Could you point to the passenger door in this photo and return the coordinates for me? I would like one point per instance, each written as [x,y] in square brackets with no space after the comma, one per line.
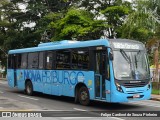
[100,75]
[100,65]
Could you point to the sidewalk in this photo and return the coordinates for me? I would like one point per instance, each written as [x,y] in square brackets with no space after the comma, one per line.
[155,97]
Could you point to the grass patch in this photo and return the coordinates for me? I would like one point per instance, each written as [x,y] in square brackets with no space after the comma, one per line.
[154,91]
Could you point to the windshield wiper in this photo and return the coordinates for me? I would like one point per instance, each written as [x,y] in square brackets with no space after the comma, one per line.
[136,58]
[126,57]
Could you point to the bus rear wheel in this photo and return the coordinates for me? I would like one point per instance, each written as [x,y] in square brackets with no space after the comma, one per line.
[83,96]
[29,88]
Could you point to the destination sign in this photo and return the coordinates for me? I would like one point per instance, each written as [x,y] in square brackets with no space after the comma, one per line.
[119,45]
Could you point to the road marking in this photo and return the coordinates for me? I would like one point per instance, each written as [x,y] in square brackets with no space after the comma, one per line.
[117,118]
[28,97]
[4,83]
[11,110]
[68,118]
[52,110]
[1,92]
[79,109]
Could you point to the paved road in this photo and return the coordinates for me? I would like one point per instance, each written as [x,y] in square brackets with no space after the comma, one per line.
[13,99]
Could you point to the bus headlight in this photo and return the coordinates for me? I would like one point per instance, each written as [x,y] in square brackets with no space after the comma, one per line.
[119,87]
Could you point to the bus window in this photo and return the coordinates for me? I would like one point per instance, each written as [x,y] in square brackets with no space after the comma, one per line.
[22,60]
[63,59]
[80,59]
[41,60]
[74,60]
[49,60]
[18,60]
[33,60]
[83,59]
[10,61]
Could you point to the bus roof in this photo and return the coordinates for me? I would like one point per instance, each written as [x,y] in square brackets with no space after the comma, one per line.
[64,44]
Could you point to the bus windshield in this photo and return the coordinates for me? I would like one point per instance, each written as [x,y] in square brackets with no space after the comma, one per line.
[130,65]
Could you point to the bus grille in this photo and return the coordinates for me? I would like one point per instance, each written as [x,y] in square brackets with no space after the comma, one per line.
[131,85]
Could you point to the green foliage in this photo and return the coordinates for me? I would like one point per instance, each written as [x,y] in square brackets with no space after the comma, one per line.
[138,33]
[79,24]
[76,19]
[117,11]
[156,92]
[114,15]
[142,23]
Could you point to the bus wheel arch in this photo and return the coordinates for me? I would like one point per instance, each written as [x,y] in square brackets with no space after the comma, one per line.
[80,90]
[28,87]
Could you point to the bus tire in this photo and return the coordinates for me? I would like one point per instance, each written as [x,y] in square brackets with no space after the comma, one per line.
[29,88]
[83,96]
[76,100]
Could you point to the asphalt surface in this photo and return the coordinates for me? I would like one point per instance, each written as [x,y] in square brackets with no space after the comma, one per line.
[60,107]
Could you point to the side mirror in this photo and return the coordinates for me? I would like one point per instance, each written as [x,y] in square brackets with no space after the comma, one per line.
[110,55]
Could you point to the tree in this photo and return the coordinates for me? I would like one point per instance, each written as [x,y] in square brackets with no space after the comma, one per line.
[112,11]
[79,24]
[6,22]
[142,23]
[13,33]
[114,17]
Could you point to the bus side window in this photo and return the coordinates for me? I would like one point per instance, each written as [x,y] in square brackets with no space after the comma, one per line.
[80,59]
[10,61]
[63,59]
[49,60]
[41,60]
[23,60]
[83,59]
[33,60]
[18,61]
[74,59]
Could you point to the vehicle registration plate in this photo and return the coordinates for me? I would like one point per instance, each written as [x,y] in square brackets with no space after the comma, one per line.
[136,96]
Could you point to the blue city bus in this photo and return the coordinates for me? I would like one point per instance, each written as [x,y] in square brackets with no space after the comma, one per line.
[108,70]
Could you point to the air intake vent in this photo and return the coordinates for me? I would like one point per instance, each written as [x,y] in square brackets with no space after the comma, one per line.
[136,84]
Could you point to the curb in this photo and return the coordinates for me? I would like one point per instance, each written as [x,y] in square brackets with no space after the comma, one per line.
[156,99]
[3,79]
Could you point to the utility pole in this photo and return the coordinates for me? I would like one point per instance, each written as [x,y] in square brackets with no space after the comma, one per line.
[45,37]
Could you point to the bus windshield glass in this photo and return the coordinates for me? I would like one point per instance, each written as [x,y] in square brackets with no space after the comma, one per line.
[130,65]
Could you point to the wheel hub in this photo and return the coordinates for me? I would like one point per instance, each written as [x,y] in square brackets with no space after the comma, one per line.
[84,95]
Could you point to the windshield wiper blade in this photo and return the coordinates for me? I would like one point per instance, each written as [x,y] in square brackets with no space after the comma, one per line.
[127,58]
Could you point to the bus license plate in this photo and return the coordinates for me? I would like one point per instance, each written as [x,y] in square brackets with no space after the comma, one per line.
[136,96]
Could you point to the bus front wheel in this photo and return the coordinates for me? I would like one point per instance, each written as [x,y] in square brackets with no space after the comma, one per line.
[83,96]
[29,88]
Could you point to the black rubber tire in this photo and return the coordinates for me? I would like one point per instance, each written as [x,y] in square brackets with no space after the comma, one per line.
[83,96]
[76,100]
[29,88]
